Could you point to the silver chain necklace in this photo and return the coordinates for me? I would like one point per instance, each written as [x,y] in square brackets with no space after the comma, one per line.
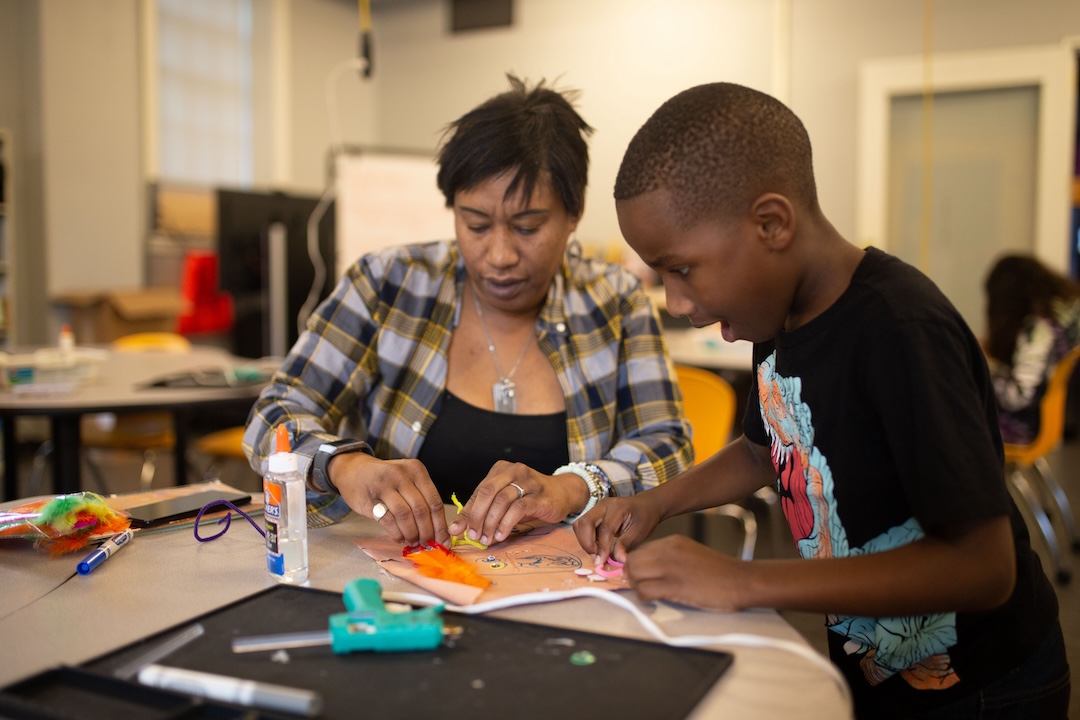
[503,391]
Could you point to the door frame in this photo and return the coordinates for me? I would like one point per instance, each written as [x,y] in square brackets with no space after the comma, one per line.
[1051,68]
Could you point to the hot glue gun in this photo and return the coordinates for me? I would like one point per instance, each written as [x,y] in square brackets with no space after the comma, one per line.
[367,625]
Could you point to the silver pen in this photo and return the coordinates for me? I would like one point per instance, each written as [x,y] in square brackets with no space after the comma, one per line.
[238,691]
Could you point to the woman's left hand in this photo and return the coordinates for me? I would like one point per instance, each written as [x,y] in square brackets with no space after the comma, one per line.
[513,492]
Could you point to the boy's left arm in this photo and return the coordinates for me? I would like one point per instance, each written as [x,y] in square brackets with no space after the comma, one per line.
[967,568]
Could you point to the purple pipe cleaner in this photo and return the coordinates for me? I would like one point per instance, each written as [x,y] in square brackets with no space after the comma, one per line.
[227,519]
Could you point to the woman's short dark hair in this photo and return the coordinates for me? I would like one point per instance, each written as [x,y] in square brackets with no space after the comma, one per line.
[530,131]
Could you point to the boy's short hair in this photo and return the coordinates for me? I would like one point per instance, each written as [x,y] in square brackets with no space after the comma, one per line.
[716,148]
[532,131]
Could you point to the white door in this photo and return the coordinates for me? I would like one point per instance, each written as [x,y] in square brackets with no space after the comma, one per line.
[1000,162]
[980,186]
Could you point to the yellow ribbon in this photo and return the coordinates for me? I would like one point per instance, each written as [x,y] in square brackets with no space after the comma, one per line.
[463,539]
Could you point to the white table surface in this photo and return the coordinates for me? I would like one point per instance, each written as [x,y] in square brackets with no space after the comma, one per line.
[704,347]
[119,384]
[49,617]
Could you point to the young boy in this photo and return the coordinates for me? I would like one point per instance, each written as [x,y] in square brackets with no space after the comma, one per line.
[874,417]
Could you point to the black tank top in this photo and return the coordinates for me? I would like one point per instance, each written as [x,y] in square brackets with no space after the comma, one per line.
[465,441]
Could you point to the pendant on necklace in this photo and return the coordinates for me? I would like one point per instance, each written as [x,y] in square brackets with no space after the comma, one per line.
[503,394]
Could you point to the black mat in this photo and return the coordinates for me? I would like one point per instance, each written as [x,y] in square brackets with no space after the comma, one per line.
[500,668]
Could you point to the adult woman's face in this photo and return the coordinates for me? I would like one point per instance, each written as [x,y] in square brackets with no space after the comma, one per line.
[513,247]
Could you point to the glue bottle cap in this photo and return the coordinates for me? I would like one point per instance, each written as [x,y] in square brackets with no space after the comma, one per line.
[66,340]
[281,439]
[283,460]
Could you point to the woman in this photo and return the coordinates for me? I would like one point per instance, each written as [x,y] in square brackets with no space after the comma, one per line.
[1033,316]
[499,367]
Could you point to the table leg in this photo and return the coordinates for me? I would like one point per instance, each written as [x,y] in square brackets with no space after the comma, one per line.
[181,430]
[67,445]
[11,460]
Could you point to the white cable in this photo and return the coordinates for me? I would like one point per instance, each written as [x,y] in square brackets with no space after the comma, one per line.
[317,260]
[337,147]
[337,143]
[684,641]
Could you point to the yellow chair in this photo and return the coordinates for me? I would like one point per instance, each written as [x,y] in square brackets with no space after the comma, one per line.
[1029,473]
[148,433]
[152,342]
[710,402]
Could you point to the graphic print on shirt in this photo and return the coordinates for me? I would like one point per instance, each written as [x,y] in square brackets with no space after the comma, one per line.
[916,647]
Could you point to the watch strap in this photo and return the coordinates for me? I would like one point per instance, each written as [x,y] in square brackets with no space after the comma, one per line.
[319,478]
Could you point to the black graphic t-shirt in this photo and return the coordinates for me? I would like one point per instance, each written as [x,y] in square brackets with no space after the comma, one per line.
[881,421]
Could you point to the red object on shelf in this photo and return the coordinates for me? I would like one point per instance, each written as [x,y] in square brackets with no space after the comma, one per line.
[206,308]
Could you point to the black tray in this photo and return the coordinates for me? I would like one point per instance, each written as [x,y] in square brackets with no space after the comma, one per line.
[495,669]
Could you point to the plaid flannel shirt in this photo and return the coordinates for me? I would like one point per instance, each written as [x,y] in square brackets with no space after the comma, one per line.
[372,364]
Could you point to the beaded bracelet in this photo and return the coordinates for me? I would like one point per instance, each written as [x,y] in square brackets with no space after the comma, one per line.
[596,481]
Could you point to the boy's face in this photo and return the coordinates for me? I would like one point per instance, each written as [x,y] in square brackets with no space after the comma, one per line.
[713,272]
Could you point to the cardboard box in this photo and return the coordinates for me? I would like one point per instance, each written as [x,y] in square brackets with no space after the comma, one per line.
[101,316]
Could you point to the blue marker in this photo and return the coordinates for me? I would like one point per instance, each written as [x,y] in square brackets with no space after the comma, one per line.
[107,548]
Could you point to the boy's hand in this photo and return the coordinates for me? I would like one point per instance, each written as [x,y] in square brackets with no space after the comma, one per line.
[615,526]
[678,569]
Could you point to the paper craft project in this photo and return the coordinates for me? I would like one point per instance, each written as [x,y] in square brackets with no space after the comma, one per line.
[533,559]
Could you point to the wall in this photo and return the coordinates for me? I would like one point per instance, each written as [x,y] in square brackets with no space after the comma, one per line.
[20,112]
[323,35]
[93,194]
[831,37]
[628,56]
[73,101]
[625,56]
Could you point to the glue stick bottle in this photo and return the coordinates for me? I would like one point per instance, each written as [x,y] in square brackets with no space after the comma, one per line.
[286,514]
[66,344]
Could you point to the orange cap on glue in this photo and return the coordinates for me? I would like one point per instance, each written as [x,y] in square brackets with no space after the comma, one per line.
[281,440]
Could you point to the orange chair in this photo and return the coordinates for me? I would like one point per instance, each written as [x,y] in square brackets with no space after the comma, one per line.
[147,433]
[221,446]
[1029,473]
[709,402]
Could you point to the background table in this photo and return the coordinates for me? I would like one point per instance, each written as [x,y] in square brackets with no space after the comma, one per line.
[705,347]
[163,579]
[118,388]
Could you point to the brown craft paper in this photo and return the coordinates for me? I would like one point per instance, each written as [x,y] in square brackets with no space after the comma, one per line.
[533,559]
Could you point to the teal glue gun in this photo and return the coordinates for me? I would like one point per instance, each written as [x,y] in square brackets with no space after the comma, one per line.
[366,626]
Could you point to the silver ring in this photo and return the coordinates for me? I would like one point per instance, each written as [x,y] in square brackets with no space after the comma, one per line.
[378,510]
[521,490]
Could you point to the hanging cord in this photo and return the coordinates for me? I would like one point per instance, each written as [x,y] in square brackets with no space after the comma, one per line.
[684,641]
[337,147]
[317,260]
[365,36]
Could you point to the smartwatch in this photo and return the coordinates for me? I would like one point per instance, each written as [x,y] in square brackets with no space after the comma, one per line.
[320,478]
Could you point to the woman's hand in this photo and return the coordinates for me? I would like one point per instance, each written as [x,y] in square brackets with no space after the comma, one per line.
[615,526]
[414,511]
[512,493]
[678,569]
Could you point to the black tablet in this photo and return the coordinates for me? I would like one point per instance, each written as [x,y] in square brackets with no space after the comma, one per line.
[164,511]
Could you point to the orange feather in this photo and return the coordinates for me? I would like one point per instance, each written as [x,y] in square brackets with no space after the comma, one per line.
[443,564]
